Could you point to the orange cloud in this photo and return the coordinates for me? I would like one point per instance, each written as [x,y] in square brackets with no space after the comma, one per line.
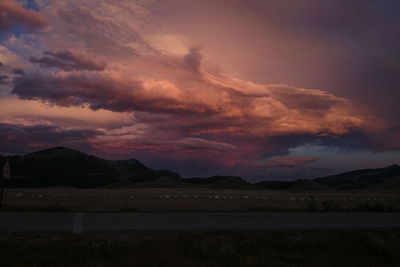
[205,103]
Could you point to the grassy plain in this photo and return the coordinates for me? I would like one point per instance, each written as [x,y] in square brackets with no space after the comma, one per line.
[203,248]
[195,199]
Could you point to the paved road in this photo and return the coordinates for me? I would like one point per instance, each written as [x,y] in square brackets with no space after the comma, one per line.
[80,222]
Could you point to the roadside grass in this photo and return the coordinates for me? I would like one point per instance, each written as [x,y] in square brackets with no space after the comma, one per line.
[373,207]
[203,248]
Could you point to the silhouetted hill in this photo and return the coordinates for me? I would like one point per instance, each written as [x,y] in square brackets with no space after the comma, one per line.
[137,172]
[392,184]
[300,185]
[360,178]
[297,185]
[381,178]
[61,166]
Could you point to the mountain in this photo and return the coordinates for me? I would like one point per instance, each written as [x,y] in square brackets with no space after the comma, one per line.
[137,172]
[61,166]
[381,178]
[361,178]
[300,185]
[389,184]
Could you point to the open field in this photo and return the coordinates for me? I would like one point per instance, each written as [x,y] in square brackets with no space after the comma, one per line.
[193,199]
[203,248]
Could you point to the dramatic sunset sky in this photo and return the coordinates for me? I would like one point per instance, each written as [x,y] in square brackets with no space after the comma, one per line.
[273,89]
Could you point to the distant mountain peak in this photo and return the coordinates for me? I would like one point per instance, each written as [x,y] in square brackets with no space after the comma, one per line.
[132,164]
[393,166]
[361,178]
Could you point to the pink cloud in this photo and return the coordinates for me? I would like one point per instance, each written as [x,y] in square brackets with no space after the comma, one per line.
[286,162]
[11,12]
[205,103]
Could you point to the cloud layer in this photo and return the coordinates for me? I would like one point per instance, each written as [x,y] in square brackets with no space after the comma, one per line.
[21,139]
[68,61]
[219,85]
[286,162]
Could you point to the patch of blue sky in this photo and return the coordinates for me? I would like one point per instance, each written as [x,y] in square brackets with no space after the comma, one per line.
[29,4]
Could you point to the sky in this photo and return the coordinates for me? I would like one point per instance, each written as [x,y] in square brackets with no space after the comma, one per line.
[274,89]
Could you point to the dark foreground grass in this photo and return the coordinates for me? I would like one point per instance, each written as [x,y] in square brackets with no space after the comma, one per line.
[203,248]
[332,207]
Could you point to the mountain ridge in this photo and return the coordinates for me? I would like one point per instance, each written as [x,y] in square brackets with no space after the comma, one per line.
[62,166]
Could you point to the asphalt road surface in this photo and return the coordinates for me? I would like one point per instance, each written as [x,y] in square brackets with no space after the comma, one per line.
[80,222]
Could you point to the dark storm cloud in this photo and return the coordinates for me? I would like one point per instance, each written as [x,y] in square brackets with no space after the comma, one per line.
[12,13]
[193,59]
[199,143]
[358,41]
[4,79]
[69,61]
[315,18]
[18,71]
[98,92]
[75,90]
[22,139]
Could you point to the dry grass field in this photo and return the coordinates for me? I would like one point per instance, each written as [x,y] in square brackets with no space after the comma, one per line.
[194,199]
[203,248]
